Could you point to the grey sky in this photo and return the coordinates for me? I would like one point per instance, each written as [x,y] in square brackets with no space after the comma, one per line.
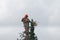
[43,33]
[45,12]
[13,10]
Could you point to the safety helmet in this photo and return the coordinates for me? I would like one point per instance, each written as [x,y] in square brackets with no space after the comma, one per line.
[26,15]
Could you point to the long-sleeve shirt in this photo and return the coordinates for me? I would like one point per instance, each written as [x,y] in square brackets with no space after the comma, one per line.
[25,22]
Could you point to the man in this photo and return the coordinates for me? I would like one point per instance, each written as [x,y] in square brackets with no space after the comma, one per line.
[26,21]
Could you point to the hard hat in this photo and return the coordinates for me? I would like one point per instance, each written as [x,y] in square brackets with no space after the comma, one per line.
[26,15]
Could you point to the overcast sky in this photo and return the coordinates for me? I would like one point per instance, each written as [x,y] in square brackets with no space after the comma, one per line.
[45,12]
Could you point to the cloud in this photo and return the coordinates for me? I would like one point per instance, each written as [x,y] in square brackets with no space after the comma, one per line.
[54,18]
[15,9]
[11,11]
[46,12]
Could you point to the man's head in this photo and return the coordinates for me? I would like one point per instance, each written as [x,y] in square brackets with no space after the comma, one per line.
[26,15]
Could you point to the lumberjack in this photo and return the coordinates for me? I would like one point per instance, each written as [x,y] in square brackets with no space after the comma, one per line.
[26,21]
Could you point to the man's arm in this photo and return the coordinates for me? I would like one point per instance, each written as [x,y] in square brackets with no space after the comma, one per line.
[22,19]
[29,21]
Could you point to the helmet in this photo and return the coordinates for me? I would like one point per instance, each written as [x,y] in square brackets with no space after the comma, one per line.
[26,15]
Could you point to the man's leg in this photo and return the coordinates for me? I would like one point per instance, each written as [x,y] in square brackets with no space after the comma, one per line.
[27,33]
